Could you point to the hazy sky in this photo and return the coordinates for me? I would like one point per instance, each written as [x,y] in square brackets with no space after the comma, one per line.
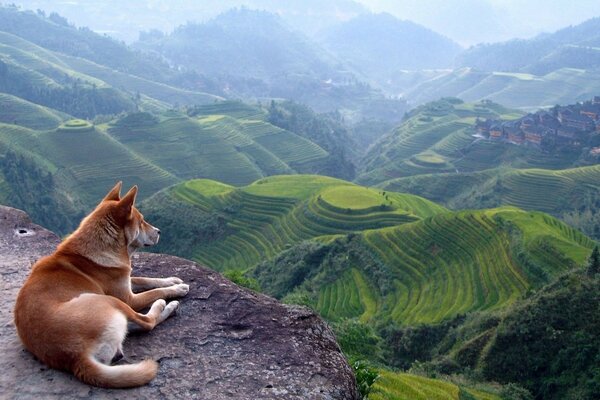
[466,21]
[472,21]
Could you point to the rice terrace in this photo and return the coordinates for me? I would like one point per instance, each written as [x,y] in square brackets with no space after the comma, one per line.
[410,192]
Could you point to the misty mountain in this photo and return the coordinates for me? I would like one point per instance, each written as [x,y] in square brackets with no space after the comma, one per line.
[255,54]
[124,20]
[571,47]
[380,45]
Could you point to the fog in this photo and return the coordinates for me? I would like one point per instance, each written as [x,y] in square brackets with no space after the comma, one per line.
[465,21]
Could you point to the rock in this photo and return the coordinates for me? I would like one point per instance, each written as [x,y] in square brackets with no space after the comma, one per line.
[226,342]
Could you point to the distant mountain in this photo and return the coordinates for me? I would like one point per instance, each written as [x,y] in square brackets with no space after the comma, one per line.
[513,89]
[56,34]
[380,45]
[255,54]
[124,20]
[573,47]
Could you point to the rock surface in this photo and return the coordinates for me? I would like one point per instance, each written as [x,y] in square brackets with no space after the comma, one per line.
[225,342]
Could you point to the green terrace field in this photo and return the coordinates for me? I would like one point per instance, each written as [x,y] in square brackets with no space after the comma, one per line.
[274,213]
[84,160]
[432,269]
[135,84]
[432,139]
[517,90]
[552,191]
[402,386]
[400,258]
[216,146]
[17,111]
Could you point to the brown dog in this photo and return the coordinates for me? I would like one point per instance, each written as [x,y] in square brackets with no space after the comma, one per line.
[73,311]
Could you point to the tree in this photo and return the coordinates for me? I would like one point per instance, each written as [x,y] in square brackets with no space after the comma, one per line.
[594,263]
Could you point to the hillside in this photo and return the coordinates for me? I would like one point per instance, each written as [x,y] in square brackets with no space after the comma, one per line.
[433,138]
[55,33]
[399,264]
[380,45]
[256,55]
[513,89]
[571,47]
[575,191]
[430,270]
[230,142]
[236,228]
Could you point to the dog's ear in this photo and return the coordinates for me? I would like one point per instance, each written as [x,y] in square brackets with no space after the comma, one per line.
[126,203]
[115,193]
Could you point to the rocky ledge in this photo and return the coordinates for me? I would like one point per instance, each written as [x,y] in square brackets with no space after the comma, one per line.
[226,342]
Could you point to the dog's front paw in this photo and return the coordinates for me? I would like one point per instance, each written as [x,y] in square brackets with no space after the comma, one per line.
[180,290]
[173,280]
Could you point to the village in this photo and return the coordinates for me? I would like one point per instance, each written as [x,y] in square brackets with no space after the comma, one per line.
[560,126]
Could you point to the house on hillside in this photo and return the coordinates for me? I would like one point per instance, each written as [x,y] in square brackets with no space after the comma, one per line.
[534,135]
[514,134]
[572,119]
[591,110]
[496,132]
[483,127]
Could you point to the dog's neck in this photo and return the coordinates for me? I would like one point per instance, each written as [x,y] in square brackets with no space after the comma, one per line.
[100,242]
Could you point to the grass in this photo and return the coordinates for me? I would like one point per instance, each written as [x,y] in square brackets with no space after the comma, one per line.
[552,191]
[17,111]
[403,386]
[435,264]
[269,215]
[431,140]
[218,147]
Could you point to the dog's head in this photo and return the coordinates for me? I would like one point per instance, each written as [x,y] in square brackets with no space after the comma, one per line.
[138,233]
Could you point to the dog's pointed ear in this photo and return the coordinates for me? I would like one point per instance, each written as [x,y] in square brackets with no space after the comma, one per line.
[128,200]
[115,193]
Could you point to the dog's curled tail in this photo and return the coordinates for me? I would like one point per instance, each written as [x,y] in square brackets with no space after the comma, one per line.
[93,372]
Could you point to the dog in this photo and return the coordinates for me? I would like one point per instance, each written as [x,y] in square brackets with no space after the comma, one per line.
[77,305]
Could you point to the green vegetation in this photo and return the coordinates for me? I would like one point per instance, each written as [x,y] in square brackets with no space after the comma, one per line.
[17,111]
[434,138]
[562,361]
[575,192]
[560,85]
[264,218]
[429,270]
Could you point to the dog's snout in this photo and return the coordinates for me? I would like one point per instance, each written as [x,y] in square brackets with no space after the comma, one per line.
[158,231]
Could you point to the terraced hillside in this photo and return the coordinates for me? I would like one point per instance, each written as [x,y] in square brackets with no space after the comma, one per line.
[243,226]
[429,270]
[432,139]
[518,90]
[551,191]
[154,151]
[216,146]
[402,386]
[17,111]
[85,161]
[31,71]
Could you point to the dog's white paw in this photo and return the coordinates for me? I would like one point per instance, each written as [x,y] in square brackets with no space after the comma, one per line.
[181,289]
[173,280]
[158,306]
[169,310]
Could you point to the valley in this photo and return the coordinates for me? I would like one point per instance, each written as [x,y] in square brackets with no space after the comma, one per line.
[433,203]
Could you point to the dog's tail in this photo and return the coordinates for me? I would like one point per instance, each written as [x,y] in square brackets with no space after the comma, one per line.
[93,372]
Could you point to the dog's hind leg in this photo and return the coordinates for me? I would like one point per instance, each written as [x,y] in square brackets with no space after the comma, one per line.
[159,312]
